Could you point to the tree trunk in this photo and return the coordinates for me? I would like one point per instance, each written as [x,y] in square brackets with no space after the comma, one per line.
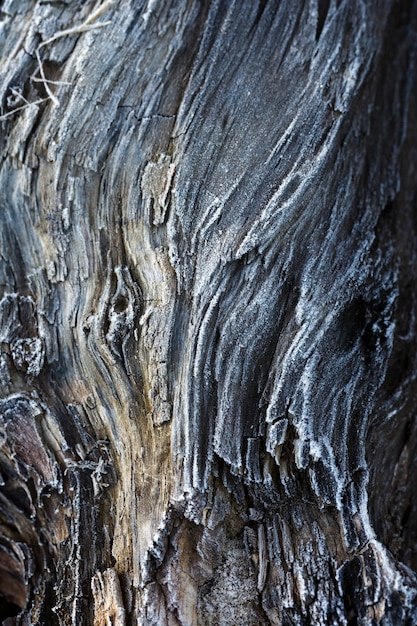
[207,313]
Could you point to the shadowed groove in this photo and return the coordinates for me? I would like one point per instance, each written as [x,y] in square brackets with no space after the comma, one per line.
[207,315]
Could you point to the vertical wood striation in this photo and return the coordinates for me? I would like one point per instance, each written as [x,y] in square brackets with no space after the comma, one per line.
[207,313]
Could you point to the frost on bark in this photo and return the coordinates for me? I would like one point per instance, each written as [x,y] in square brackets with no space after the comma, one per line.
[208,312]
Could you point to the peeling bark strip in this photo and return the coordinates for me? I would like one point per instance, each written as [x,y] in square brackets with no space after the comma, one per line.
[207,313]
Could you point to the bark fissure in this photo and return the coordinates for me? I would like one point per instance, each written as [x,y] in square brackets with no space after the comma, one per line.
[207,313]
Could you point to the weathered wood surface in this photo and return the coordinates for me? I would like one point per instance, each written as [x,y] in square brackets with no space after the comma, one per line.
[207,312]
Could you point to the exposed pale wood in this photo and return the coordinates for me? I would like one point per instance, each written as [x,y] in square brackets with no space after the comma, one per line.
[207,313]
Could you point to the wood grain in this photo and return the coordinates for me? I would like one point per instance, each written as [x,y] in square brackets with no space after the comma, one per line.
[207,313]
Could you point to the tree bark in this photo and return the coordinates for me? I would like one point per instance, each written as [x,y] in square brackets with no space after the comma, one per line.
[207,313]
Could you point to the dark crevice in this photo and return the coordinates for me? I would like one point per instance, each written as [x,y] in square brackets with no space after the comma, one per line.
[8,609]
[261,9]
[13,590]
[350,576]
[406,516]
[322,9]
[121,304]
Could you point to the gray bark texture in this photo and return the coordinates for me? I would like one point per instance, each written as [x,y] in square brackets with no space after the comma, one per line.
[208,312]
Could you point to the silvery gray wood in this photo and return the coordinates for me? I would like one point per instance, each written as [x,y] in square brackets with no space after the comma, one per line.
[207,312]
